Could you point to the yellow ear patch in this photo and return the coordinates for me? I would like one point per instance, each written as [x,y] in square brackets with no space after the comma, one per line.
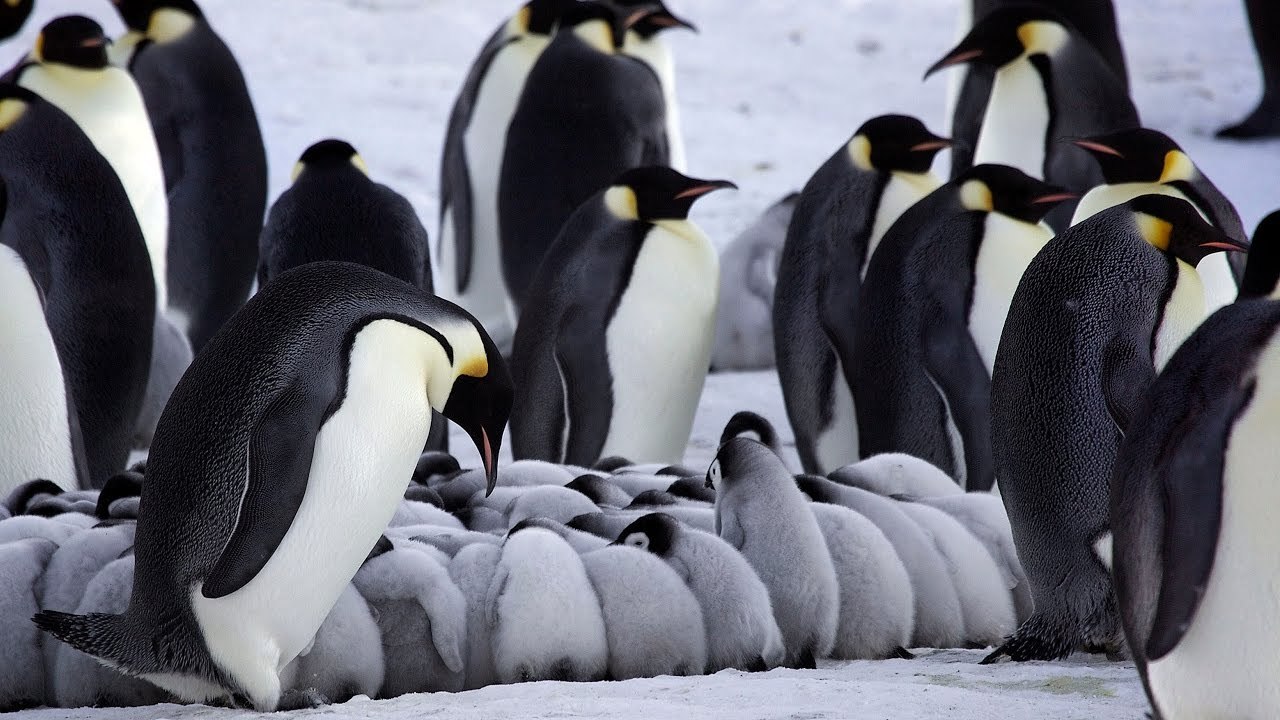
[476,366]
[975,195]
[598,35]
[1042,36]
[520,23]
[37,50]
[860,153]
[621,201]
[298,167]
[359,163]
[12,3]
[1177,166]
[1155,231]
[169,24]
[10,110]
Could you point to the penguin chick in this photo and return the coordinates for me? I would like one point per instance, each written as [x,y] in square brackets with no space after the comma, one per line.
[21,527]
[472,570]
[546,618]
[22,667]
[760,512]
[450,542]
[692,488]
[892,474]
[983,515]
[21,496]
[482,519]
[432,465]
[531,473]
[652,620]
[410,512]
[425,495]
[345,659]
[600,491]
[557,503]
[119,486]
[745,421]
[582,542]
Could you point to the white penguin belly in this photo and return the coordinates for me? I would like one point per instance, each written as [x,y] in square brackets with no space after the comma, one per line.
[35,436]
[1226,665]
[107,106]
[837,443]
[901,192]
[364,456]
[1183,313]
[1007,248]
[485,141]
[1016,124]
[657,55]
[659,343]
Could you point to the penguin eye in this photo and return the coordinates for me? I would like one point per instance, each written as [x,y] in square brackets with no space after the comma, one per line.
[638,540]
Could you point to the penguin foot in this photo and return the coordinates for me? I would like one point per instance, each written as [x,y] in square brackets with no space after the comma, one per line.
[901,653]
[1035,640]
[806,661]
[1263,122]
[301,699]
[757,665]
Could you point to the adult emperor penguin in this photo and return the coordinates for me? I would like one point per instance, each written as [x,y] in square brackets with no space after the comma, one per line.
[1095,20]
[761,512]
[1098,313]
[1192,537]
[469,256]
[842,213]
[322,385]
[215,165]
[1050,83]
[1141,161]
[931,309]
[1264,121]
[588,112]
[13,14]
[649,18]
[67,215]
[612,354]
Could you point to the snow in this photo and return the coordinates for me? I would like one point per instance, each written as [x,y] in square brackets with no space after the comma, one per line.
[768,90]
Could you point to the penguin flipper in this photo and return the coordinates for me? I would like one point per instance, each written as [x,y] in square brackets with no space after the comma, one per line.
[953,363]
[279,464]
[581,355]
[1126,374]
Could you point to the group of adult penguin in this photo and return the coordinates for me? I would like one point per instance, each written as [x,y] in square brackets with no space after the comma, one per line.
[1035,326]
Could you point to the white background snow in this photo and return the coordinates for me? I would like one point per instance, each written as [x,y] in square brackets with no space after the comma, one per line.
[768,89]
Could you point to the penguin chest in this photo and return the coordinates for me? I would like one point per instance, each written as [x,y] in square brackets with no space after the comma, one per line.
[1007,248]
[901,192]
[1226,664]
[659,343]
[35,435]
[655,53]
[1015,128]
[1183,313]
[363,459]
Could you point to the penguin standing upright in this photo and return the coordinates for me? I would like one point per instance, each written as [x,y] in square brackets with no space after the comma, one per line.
[1095,20]
[13,14]
[588,112]
[469,257]
[644,43]
[1050,83]
[844,210]
[613,353]
[1097,314]
[67,215]
[322,387]
[1193,530]
[931,310]
[215,165]
[1264,121]
[1141,161]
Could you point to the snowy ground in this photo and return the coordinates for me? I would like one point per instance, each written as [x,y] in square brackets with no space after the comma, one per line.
[768,89]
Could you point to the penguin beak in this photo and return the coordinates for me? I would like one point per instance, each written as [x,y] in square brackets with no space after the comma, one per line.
[1054,198]
[1098,148]
[664,18]
[1229,245]
[96,42]
[959,56]
[703,187]
[933,145]
[490,459]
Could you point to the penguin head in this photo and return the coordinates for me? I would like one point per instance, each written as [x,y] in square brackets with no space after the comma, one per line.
[1174,226]
[1139,155]
[654,533]
[13,13]
[653,193]
[1008,191]
[329,155]
[1006,34]
[73,40]
[535,522]
[815,486]
[1262,272]
[895,142]
[121,485]
[741,458]
[139,14]
[480,395]
[599,23]
[539,17]
[649,17]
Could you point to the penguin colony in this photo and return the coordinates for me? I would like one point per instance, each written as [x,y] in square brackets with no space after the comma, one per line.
[1033,399]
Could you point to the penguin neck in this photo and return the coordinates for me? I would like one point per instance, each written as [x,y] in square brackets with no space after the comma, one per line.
[1107,196]
[1006,248]
[75,79]
[598,35]
[169,24]
[1015,129]
[901,191]
[1182,313]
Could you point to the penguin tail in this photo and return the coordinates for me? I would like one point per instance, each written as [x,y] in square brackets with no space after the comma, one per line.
[98,634]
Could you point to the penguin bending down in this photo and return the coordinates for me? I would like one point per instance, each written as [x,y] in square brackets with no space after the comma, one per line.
[643,42]
[67,215]
[588,112]
[1141,161]
[1194,540]
[215,165]
[327,366]
[1050,83]
[1098,313]
[612,354]
[761,513]
[469,256]
[741,630]
[844,210]
[13,14]
[933,304]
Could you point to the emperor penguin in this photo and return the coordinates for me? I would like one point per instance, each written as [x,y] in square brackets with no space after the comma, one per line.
[1049,83]
[588,112]
[1193,544]
[582,542]
[1141,161]
[22,668]
[472,569]
[67,216]
[643,41]
[748,274]
[761,513]
[611,357]
[932,306]
[741,630]
[1096,316]
[211,150]
[1264,120]
[651,618]
[544,613]
[891,474]
[13,14]
[1095,20]
[323,386]
[1262,270]
[69,68]
[469,254]
[842,213]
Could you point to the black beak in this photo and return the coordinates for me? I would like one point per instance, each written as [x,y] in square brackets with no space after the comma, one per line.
[665,18]
[959,56]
